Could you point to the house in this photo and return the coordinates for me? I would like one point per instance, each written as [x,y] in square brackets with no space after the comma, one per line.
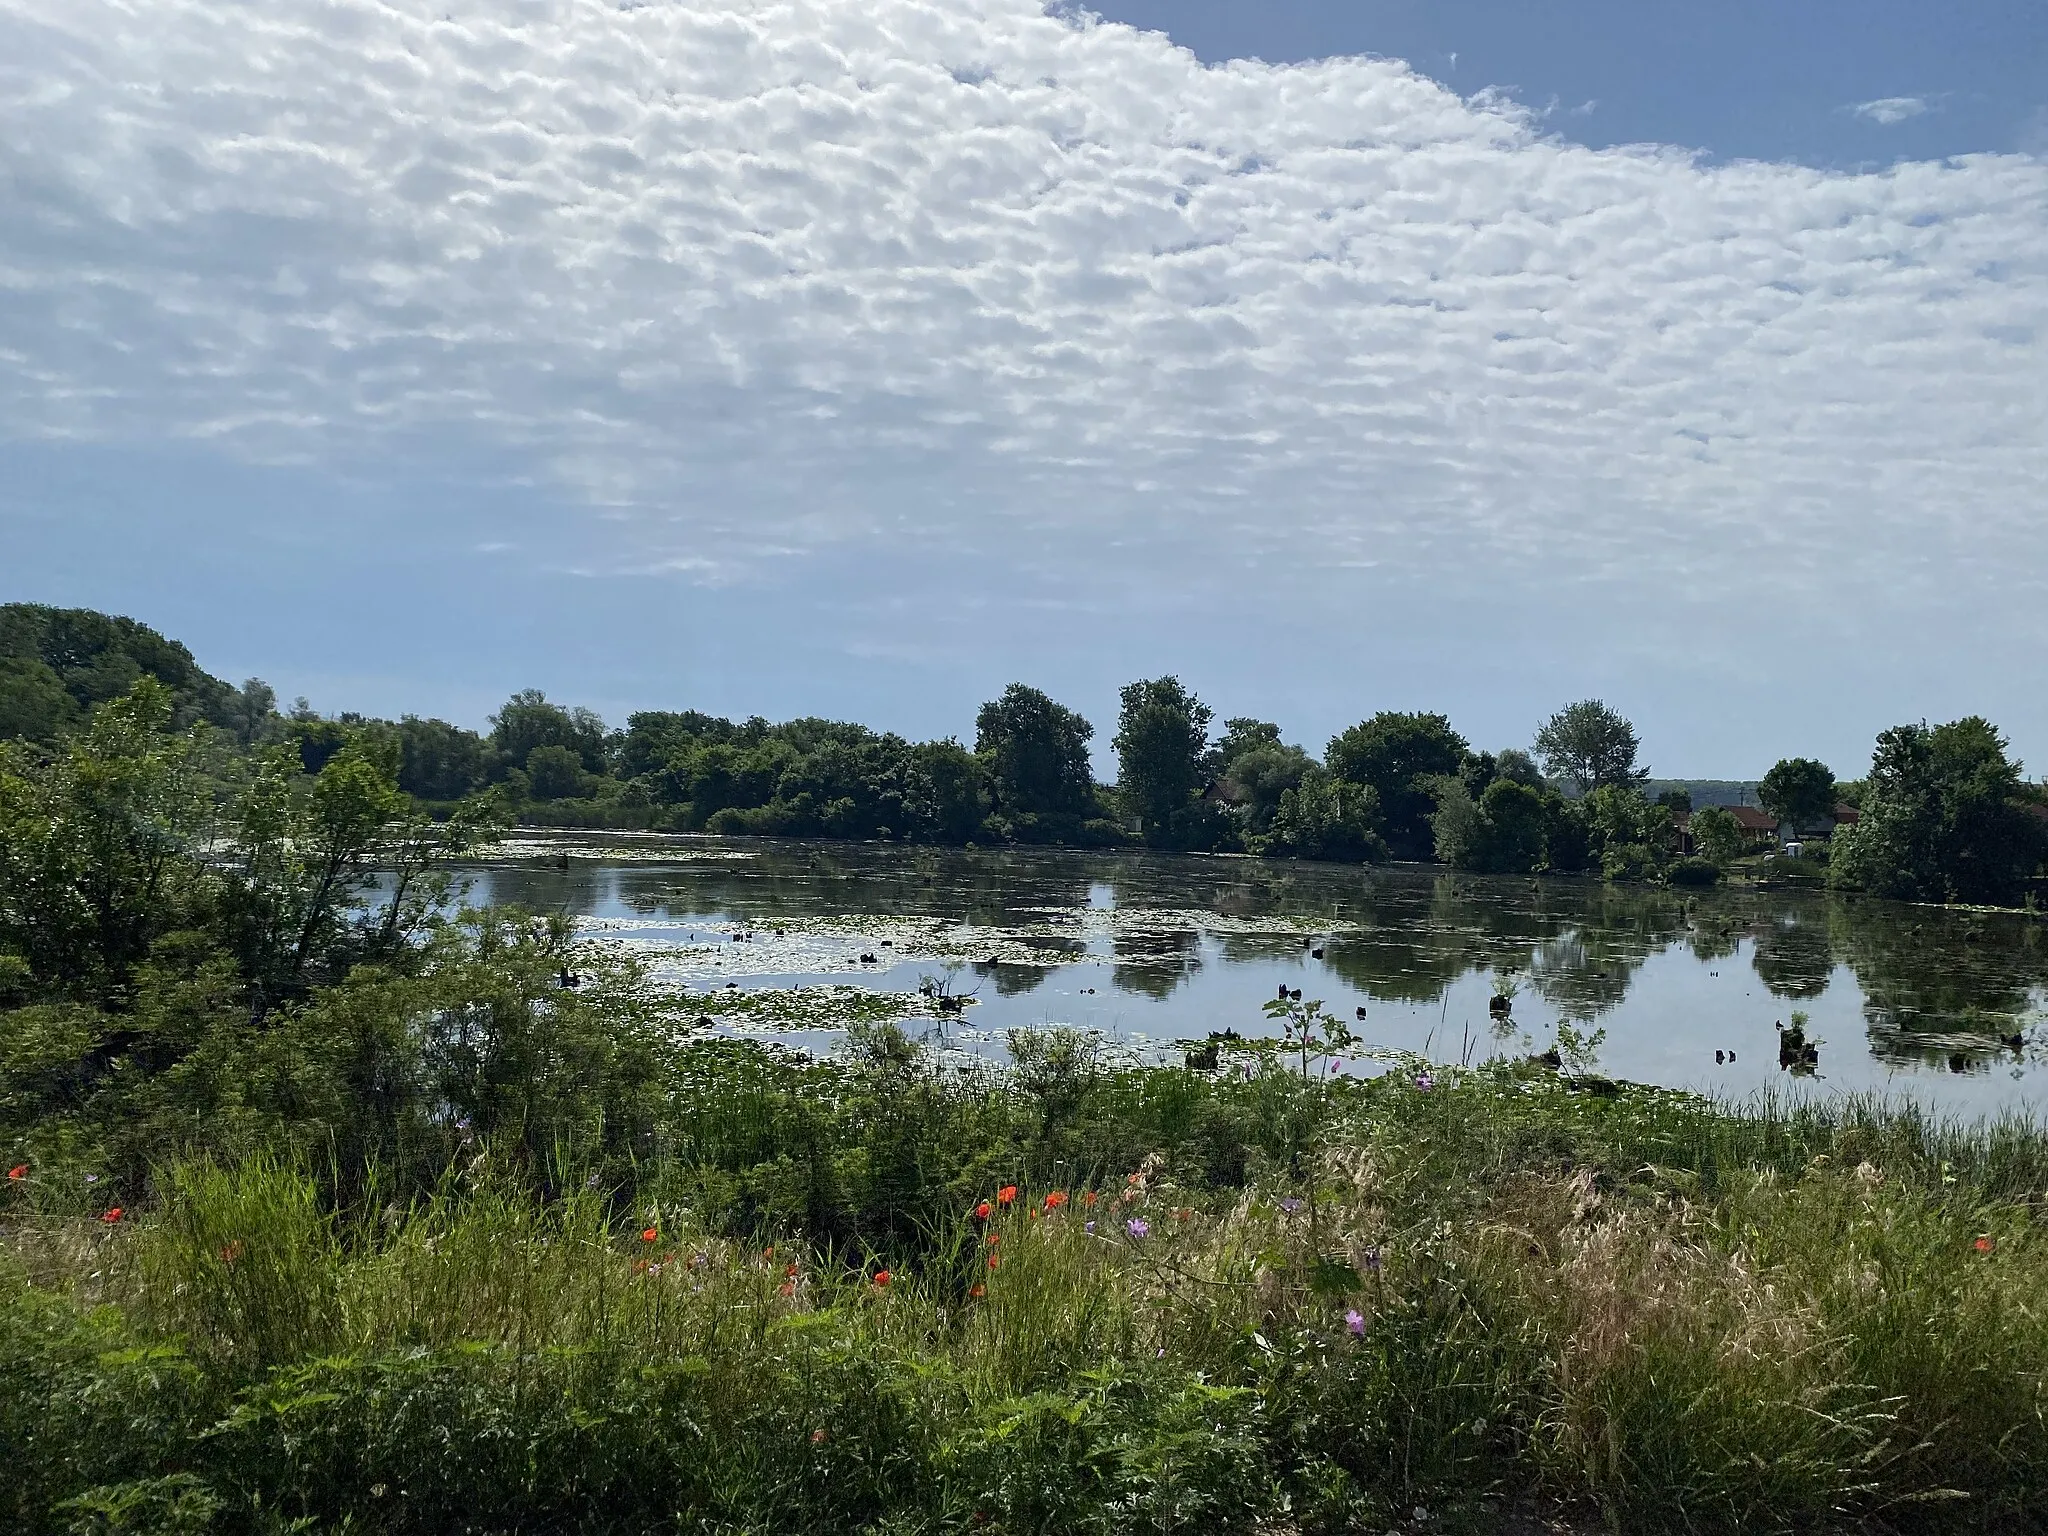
[1758,827]
[1226,792]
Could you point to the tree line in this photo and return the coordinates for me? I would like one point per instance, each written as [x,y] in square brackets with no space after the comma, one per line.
[1943,814]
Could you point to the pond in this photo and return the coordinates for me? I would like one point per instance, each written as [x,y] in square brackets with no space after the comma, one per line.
[1148,949]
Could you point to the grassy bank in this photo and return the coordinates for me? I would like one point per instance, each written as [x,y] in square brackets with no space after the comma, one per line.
[1239,1301]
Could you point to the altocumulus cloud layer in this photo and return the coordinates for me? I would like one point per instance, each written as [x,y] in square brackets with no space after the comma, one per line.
[763,278]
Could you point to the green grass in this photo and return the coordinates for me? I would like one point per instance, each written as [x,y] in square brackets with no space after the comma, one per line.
[1639,1312]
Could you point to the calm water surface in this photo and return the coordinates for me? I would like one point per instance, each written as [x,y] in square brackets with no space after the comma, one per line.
[1150,949]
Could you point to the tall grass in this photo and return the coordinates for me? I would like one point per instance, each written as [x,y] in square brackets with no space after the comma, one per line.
[1638,1311]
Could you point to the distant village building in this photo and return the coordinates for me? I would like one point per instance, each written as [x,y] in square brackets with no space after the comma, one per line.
[1760,828]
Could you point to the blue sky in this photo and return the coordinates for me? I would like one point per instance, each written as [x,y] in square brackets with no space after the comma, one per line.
[857,360]
[1759,79]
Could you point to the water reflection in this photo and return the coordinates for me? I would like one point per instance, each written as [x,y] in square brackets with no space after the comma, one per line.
[1930,991]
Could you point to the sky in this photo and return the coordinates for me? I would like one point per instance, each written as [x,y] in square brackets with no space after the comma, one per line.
[856,360]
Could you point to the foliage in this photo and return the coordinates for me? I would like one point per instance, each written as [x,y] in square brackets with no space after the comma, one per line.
[1476,1292]
[527,722]
[1801,791]
[1161,741]
[1399,757]
[329,1211]
[1506,830]
[441,762]
[1945,818]
[1717,835]
[1591,747]
[1325,818]
[1694,869]
[1255,769]
[1036,756]
[58,664]
[1632,837]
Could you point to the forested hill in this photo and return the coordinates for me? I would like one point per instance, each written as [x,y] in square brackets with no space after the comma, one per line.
[56,664]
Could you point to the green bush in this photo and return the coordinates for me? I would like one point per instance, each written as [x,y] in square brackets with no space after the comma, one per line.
[1694,871]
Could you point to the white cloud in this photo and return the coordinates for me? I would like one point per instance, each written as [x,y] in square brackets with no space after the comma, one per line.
[1890,109]
[768,275]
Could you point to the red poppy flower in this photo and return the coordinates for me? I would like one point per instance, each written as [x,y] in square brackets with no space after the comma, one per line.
[112,1216]
[977,1290]
[789,1271]
[995,1261]
[768,1252]
[1984,1245]
[1006,1194]
[789,1287]
[231,1252]
[882,1278]
[17,1173]
[983,1211]
[1055,1200]
[650,1234]
[1088,1199]
[994,1238]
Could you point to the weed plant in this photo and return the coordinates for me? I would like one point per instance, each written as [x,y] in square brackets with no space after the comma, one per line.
[1485,1293]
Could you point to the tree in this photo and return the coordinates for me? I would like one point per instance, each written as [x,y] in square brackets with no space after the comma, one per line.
[555,773]
[1240,736]
[250,714]
[1633,837]
[96,845]
[90,659]
[1591,747]
[1717,834]
[945,792]
[1945,818]
[1161,738]
[1503,831]
[1036,754]
[1399,756]
[527,720]
[1326,818]
[1800,791]
[439,761]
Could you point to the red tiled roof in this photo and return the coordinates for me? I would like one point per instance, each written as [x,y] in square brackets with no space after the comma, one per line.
[1750,819]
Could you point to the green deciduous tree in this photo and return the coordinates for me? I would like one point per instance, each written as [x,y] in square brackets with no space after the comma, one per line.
[439,761]
[1717,834]
[1036,755]
[1632,837]
[1945,817]
[1399,757]
[1504,831]
[89,659]
[1800,791]
[527,720]
[1591,747]
[555,773]
[95,845]
[1161,741]
[1326,818]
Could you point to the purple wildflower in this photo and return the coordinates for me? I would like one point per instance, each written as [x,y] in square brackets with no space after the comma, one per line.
[1289,1204]
[1089,1228]
[1138,1226]
[1372,1260]
[1425,1082]
[1355,1321]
